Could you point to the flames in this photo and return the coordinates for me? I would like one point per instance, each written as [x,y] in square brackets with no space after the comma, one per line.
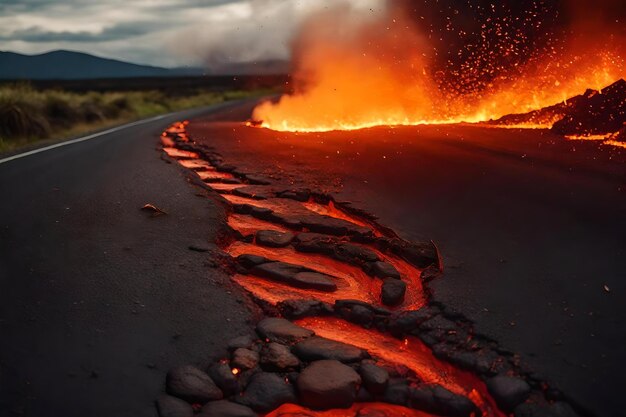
[354,72]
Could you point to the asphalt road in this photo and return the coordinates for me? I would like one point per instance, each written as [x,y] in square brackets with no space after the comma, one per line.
[531,228]
[97,298]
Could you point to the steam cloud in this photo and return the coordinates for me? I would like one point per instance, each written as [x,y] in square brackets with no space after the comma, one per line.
[255,30]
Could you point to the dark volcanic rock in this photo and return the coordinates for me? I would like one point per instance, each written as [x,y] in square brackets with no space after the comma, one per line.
[250,261]
[295,309]
[407,321]
[168,406]
[438,400]
[257,179]
[244,359]
[328,384]
[253,191]
[419,254]
[295,275]
[273,238]
[245,341]
[225,409]
[192,385]
[382,269]
[596,113]
[223,377]
[393,291]
[375,378]
[508,391]
[315,348]
[266,392]
[331,246]
[355,254]
[360,315]
[282,331]
[277,357]
[397,392]
[298,195]
[438,323]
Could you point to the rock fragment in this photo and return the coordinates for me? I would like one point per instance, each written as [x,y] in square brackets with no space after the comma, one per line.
[282,331]
[438,400]
[382,269]
[244,359]
[316,348]
[277,357]
[266,392]
[192,385]
[273,238]
[328,384]
[375,378]
[508,391]
[295,275]
[393,291]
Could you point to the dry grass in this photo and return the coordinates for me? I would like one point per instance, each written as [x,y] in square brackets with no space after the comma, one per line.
[29,116]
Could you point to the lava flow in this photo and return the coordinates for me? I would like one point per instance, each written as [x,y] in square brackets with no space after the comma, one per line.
[396,66]
[290,237]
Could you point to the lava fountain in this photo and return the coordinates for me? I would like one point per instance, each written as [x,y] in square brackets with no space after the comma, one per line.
[393,66]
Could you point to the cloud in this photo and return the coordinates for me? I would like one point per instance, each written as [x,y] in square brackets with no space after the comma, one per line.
[37,34]
[159,32]
[262,31]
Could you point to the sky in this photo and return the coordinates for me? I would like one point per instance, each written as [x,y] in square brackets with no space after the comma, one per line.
[161,32]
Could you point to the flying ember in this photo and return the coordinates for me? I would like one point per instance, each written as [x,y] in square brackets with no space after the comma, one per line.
[408,65]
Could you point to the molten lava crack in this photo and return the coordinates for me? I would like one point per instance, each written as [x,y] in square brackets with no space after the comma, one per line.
[365,337]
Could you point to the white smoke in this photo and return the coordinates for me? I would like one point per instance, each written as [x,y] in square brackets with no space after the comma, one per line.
[255,30]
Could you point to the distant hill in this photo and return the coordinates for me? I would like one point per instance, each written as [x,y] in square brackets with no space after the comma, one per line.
[69,65]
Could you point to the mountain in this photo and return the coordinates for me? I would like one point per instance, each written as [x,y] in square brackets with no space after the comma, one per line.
[71,65]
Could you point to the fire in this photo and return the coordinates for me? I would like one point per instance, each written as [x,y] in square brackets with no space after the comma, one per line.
[353,73]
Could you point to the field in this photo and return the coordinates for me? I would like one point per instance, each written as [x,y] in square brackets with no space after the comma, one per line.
[31,113]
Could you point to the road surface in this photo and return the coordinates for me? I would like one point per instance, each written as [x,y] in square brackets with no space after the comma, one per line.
[98,298]
[531,228]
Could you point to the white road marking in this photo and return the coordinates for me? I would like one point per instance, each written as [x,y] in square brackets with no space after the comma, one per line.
[84,138]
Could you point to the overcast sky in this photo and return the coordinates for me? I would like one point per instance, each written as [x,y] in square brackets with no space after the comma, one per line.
[160,32]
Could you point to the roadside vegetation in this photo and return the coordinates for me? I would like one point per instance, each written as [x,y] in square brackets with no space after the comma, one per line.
[29,116]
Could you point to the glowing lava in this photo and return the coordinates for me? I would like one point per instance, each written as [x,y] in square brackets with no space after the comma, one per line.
[354,73]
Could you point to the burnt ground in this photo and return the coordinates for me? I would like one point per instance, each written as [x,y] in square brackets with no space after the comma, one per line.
[99,299]
[530,227]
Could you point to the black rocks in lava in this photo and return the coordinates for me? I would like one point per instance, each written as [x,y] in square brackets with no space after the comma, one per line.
[393,291]
[317,348]
[591,113]
[282,331]
[273,238]
[601,112]
[267,391]
[328,384]
[294,275]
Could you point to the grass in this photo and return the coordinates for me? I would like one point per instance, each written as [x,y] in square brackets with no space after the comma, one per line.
[29,116]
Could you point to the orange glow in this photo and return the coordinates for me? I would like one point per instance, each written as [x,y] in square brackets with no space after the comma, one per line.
[615,143]
[414,355]
[357,409]
[354,74]
[235,371]
[180,154]
[588,137]
[352,282]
